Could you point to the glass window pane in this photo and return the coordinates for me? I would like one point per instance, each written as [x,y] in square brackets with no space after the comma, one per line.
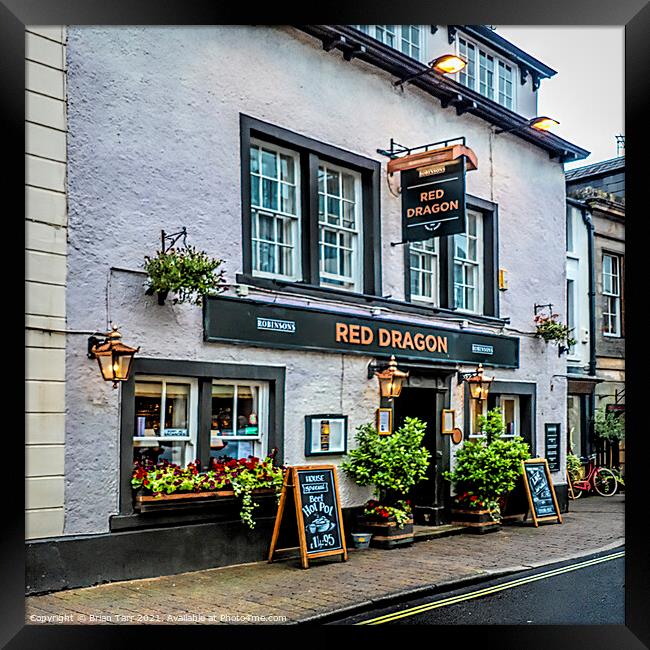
[288,199]
[348,187]
[255,160]
[255,191]
[348,214]
[266,227]
[321,180]
[247,410]
[287,168]
[269,194]
[460,242]
[148,400]
[333,182]
[267,258]
[223,400]
[333,208]
[269,163]
[177,402]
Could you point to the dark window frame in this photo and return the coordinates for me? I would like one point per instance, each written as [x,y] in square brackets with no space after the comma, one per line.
[309,152]
[491,306]
[205,372]
[527,406]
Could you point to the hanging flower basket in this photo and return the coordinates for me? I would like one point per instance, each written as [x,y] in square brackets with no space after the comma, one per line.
[551,330]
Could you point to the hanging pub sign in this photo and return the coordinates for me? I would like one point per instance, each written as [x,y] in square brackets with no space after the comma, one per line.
[433,191]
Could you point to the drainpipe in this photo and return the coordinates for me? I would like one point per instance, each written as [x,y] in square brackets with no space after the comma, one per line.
[591,252]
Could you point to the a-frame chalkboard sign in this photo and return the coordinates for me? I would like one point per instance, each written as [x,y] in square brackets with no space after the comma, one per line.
[315,493]
[539,488]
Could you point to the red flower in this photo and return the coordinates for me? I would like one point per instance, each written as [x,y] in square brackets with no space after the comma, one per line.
[146,481]
[474,498]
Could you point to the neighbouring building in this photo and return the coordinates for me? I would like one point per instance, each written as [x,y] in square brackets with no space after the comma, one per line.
[595,300]
[269,145]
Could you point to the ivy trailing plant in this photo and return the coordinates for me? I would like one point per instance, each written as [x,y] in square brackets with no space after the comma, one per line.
[187,272]
[242,476]
[489,467]
[550,329]
[392,464]
[609,425]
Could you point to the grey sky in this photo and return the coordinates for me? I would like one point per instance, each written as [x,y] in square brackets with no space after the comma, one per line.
[587,94]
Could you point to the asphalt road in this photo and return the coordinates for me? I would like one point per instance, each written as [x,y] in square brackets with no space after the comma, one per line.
[588,591]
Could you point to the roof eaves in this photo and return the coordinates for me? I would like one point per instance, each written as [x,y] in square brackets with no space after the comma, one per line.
[355,44]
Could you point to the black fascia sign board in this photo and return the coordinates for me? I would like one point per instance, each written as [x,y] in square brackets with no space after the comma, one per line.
[270,325]
[433,200]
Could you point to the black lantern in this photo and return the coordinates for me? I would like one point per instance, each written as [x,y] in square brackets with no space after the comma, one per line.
[114,357]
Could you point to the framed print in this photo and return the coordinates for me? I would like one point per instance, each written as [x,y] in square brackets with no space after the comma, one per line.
[384,418]
[448,421]
[326,434]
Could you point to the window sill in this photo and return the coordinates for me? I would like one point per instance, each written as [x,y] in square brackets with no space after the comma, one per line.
[218,508]
[317,291]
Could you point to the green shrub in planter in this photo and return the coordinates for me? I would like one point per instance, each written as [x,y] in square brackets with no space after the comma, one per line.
[488,468]
[391,464]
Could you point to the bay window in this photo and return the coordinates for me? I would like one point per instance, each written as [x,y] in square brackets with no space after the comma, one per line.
[487,74]
[408,39]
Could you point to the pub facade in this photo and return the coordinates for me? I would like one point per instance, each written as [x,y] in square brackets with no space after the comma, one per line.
[269,148]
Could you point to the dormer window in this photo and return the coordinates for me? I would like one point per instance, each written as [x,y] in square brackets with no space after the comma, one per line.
[487,73]
[405,38]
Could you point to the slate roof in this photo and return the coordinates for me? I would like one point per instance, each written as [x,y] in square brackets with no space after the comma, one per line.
[596,169]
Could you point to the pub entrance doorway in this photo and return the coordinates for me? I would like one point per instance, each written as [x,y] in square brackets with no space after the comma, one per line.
[428,497]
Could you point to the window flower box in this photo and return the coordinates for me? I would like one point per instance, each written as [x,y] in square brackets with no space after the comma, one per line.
[150,503]
[166,486]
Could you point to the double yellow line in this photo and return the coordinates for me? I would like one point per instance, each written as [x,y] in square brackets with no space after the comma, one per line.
[387,618]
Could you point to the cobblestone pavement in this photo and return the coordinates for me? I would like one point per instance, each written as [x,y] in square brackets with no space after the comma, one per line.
[262,593]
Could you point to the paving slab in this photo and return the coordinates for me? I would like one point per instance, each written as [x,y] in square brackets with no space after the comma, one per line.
[279,593]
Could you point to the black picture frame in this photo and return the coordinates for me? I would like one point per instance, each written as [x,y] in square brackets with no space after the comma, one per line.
[633,14]
[310,420]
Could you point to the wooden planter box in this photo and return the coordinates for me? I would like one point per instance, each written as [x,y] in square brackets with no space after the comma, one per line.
[148,503]
[476,521]
[386,534]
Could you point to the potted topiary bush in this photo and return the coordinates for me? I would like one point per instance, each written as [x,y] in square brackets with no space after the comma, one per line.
[392,464]
[187,272]
[487,469]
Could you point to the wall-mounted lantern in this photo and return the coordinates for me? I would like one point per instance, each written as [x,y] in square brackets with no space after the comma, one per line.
[539,123]
[114,357]
[391,379]
[479,386]
[445,64]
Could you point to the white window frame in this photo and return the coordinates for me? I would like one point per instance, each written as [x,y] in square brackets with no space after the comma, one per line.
[478,264]
[192,416]
[517,409]
[397,32]
[417,249]
[279,215]
[612,295]
[355,281]
[261,439]
[476,83]
[571,311]
[473,403]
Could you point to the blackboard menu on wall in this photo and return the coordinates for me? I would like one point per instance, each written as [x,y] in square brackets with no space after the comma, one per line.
[541,495]
[320,511]
[552,446]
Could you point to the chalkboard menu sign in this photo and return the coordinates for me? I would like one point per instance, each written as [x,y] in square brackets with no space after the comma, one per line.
[552,446]
[541,495]
[314,489]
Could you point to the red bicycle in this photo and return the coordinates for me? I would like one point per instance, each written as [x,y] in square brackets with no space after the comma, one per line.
[599,479]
